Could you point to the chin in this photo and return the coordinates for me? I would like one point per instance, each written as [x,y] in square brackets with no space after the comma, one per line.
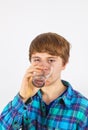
[47,83]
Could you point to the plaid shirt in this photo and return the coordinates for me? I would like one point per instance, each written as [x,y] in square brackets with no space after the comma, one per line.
[68,112]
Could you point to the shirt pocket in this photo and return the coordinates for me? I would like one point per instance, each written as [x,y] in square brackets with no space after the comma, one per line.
[17,123]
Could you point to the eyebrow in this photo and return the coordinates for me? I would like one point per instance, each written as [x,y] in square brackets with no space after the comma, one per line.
[35,57]
[46,57]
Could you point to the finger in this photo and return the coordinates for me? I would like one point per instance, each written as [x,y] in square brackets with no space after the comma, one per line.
[33,69]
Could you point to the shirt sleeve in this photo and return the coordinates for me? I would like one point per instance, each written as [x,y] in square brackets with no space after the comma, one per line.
[83,122]
[84,126]
[11,116]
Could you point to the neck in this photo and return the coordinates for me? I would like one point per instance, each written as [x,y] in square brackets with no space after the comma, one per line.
[53,91]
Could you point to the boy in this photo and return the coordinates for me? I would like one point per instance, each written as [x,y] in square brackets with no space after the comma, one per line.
[56,105]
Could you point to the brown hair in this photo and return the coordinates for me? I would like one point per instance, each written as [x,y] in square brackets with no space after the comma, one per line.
[52,44]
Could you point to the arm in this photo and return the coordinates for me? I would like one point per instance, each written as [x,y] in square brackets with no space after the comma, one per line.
[11,117]
[83,124]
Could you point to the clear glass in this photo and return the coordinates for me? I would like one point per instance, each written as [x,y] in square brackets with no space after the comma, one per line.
[40,78]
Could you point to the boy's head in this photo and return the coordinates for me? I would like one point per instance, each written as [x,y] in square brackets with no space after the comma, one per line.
[52,44]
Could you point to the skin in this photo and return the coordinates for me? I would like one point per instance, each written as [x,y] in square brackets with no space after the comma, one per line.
[53,86]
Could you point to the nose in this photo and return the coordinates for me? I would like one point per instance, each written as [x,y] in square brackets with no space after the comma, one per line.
[45,65]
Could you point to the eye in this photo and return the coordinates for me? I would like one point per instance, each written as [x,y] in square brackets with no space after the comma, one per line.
[36,60]
[51,60]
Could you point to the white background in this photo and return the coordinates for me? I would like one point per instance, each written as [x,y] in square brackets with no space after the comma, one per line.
[22,20]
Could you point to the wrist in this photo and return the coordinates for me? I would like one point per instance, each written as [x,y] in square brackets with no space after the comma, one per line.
[22,97]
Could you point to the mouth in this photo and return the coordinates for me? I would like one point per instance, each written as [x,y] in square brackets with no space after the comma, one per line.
[38,83]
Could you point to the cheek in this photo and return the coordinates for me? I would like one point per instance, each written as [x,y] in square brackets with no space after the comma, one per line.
[55,75]
[57,71]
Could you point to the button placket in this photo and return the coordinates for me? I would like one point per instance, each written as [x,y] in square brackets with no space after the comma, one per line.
[17,122]
[25,118]
[43,109]
[24,108]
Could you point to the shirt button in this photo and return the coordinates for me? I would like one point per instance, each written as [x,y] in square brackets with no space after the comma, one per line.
[26,119]
[15,122]
[43,107]
[24,107]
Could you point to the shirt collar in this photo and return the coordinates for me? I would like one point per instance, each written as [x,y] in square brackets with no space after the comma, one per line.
[67,96]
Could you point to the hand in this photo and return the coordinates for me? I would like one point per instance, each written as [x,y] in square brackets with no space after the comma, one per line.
[27,89]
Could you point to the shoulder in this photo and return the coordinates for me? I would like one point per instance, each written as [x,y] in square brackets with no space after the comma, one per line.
[77,104]
[76,99]
[80,99]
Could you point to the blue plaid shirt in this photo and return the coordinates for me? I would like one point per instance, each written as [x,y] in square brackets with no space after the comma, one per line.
[68,112]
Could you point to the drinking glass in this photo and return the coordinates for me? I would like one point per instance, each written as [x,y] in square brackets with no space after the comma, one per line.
[40,78]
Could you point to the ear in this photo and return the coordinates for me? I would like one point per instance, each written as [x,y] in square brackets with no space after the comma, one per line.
[64,66]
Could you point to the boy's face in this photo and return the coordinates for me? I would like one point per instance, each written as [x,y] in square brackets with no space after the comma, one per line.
[46,61]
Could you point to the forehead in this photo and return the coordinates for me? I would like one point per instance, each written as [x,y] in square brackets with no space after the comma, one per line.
[43,55]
